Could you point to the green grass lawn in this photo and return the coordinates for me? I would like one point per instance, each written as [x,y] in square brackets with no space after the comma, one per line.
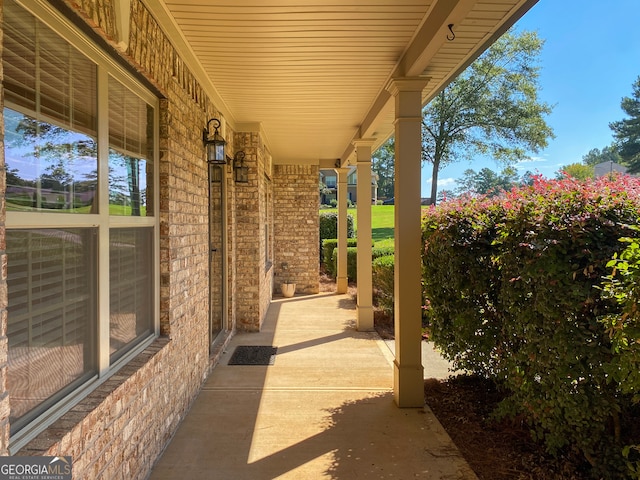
[382,223]
[119,210]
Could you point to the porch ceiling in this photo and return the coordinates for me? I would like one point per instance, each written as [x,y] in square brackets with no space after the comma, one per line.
[312,73]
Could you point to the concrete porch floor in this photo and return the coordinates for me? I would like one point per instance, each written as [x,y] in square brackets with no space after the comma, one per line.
[324,409]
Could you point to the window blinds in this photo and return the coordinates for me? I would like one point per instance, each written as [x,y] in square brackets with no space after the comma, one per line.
[45,77]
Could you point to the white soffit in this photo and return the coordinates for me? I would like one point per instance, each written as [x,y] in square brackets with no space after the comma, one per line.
[313,73]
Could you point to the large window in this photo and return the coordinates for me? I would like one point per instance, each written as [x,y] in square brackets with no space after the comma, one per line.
[52,314]
[81,232]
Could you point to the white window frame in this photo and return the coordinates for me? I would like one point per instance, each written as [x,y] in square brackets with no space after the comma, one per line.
[106,66]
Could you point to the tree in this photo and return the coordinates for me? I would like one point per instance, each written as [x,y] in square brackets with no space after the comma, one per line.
[607,154]
[56,177]
[384,165]
[492,108]
[444,195]
[324,190]
[579,171]
[627,130]
[487,182]
[529,178]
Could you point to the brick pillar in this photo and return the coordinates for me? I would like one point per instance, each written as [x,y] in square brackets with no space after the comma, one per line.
[297,225]
[249,246]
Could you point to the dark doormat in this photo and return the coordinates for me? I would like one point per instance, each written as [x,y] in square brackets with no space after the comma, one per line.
[253,355]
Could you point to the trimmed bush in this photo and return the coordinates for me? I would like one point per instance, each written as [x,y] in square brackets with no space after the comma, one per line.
[329,227]
[352,263]
[512,289]
[461,282]
[328,246]
[383,274]
[352,259]
[381,252]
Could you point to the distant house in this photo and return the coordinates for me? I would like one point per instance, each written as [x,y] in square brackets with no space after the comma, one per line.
[329,177]
[607,168]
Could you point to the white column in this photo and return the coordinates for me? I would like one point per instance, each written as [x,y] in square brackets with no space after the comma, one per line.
[408,371]
[341,277]
[365,283]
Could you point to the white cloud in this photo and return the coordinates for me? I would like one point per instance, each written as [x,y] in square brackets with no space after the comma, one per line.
[533,164]
[446,181]
[533,160]
[443,181]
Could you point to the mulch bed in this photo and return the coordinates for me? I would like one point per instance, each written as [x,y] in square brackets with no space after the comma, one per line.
[495,450]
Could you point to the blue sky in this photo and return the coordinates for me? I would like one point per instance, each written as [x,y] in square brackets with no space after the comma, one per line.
[589,61]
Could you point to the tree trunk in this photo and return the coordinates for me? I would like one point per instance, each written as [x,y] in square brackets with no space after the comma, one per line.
[434,182]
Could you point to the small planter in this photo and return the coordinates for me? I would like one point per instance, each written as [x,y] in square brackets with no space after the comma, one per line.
[288,286]
[288,289]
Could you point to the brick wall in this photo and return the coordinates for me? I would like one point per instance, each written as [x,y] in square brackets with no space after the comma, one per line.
[254,273]
[119,429]
[296,225]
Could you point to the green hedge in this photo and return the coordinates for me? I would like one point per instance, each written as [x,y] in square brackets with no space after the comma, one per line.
[329,225]
[329,230]
[383,274]
[512,289]
[377,252]
[623,286]
[352,259]
[328,260]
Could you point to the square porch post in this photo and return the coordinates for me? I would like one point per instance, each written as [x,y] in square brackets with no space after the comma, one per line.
[341,276]
[365,283]
[408,371]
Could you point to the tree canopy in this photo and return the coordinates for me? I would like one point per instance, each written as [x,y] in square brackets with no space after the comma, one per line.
[383,163]
[487,182]
[492,108]
[607,154]
[627,130]
[579,171]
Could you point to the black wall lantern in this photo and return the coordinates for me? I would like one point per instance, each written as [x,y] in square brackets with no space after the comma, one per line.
[240,170]
[214,144]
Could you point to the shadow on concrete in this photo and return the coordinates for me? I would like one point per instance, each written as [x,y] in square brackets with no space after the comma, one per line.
[364,438]
[326,410]
[343,303]
[314,343]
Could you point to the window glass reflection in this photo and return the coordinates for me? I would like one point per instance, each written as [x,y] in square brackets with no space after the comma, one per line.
[49,167]
[130,145]
[127,185]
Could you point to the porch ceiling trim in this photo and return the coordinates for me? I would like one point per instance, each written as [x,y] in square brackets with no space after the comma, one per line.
[313,72]
[167,22]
